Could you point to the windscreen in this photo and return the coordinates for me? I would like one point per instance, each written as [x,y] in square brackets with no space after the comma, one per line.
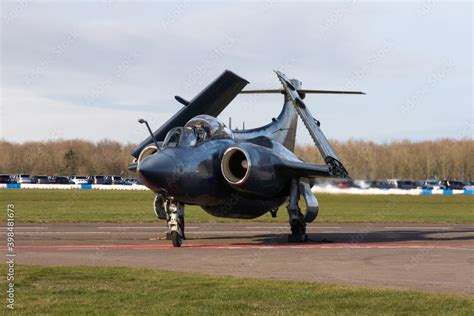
[172,139]
[188,138]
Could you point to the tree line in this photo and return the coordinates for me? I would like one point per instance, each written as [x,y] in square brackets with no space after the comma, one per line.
[436,159]
[445,158]
[65,157]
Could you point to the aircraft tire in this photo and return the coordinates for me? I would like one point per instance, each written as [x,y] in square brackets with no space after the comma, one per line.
[176,239]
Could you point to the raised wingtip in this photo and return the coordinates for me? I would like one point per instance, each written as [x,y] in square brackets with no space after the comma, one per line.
[231,73]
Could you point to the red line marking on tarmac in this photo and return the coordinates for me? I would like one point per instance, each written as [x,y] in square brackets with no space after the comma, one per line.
[244,246]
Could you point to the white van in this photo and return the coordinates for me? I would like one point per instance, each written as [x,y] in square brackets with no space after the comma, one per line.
[22,178]
[79,179]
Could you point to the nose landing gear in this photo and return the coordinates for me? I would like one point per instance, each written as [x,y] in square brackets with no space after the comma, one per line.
[175,220]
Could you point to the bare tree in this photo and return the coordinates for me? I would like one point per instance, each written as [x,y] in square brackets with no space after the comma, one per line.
[444,158]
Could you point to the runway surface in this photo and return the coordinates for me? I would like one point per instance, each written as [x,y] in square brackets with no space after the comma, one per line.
[436,258]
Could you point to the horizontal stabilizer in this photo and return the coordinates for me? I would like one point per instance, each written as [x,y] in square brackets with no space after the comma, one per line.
[329,91]
[300,91]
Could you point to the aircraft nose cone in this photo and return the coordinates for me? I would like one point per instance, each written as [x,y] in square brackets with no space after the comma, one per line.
[154,170]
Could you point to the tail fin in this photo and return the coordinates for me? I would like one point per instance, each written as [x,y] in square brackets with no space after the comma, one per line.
[282,129]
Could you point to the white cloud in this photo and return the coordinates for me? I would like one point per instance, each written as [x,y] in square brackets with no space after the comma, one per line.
[182,46]
[26,116]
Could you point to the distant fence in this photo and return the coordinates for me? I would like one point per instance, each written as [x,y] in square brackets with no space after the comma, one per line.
[315,189]
[376,191]
[72,186]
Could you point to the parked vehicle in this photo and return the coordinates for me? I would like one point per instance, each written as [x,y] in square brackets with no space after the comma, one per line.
[431,184]
[403,184]
[40,179]
[132,181]
[116,180]
[108,180]
[363,184]
[456,185]
[406,185]
[78,180]
[345,184]
[59,180]
[469,185]
[452,185]
[382,184]
[22,178]
[419,184]
[5,178]
[99,180]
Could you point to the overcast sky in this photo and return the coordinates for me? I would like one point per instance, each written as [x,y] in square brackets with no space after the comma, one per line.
[90,70]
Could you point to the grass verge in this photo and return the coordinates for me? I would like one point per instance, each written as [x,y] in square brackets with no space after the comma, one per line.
[127,291]
[136,206]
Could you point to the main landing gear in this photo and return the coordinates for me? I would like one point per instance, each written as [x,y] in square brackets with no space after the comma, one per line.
[173,212]
[296,219]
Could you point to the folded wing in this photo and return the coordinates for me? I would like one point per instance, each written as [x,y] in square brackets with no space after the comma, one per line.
[211,101]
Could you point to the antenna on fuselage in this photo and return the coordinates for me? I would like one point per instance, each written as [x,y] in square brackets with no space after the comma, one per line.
[142,121]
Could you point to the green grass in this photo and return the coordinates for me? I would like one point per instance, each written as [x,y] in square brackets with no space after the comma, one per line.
[136,206]
[127,291]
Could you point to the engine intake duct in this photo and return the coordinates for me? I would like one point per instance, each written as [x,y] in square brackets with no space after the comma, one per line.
[235,165]
[253,170]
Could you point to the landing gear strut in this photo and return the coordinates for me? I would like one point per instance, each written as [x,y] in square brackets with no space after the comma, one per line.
[296,218]
[175,218]
[301,187]
[274,212]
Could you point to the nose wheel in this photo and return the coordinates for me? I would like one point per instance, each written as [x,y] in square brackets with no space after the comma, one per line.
[176,239]
[175,221]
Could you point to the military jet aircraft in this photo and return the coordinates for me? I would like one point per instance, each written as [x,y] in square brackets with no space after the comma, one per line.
[195,159]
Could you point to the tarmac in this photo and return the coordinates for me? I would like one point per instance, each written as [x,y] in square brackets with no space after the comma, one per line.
[426,257]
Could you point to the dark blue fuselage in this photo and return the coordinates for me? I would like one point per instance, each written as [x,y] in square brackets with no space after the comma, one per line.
[194,175]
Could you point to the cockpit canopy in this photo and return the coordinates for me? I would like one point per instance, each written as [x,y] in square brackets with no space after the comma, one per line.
[195,131]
